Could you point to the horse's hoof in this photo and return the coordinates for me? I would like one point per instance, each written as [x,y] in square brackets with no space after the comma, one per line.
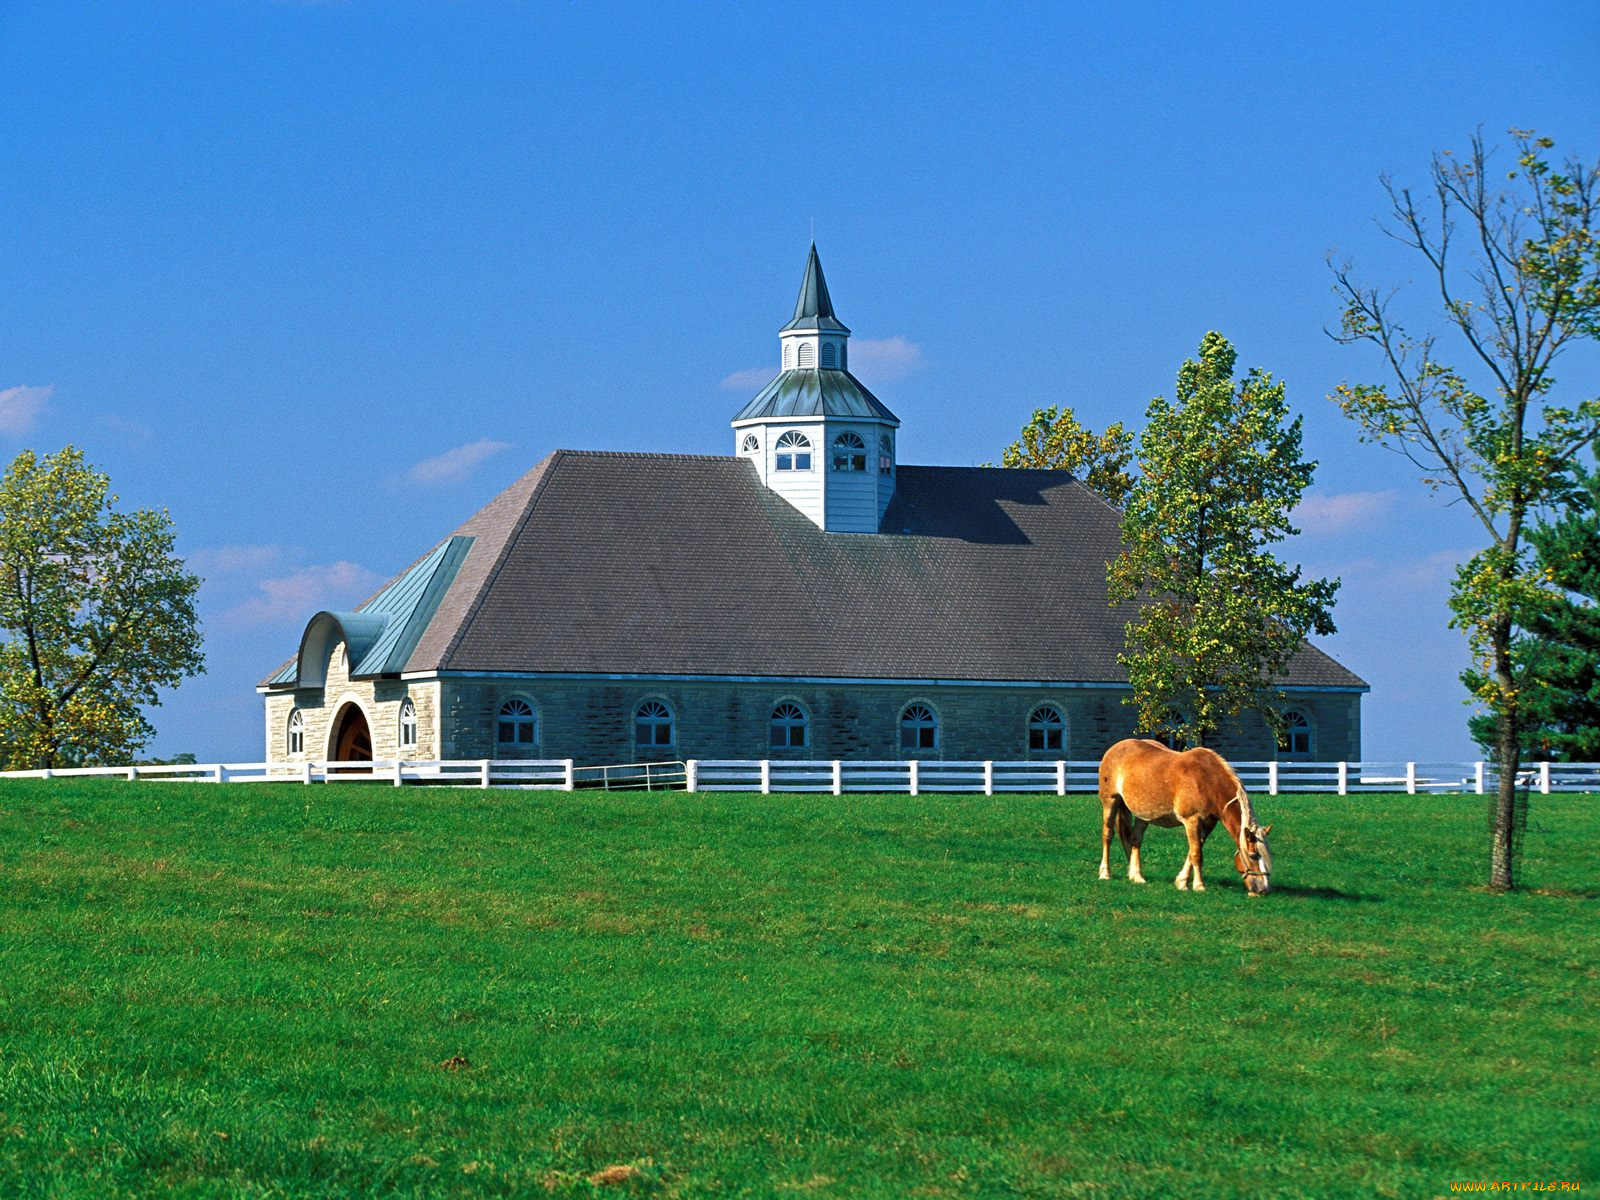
[1181,884]
[1105,874]
[1136,879]
[1199,887]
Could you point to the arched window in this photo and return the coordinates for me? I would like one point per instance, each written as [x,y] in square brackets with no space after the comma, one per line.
[408,725]
[789,725]
[750,444]
[652,725]
[518,726]
[788,355]
[830,355]
[1296,737]
[849,452]
[808,355]
[919,728]
[885,455]
[1047,728]
[297,732]
[794,451]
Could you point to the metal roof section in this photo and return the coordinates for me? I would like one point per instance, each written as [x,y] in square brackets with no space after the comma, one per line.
[380,637]
[815,392]
[814,307]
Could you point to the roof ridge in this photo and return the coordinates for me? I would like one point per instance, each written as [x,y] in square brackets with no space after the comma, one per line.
[549,462]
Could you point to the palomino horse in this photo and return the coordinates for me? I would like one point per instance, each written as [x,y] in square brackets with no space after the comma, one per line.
[1142,783]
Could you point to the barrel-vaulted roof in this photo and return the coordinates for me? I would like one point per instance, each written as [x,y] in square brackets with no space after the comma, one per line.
[640,564]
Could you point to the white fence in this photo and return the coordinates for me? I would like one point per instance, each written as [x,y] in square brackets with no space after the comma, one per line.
[838,776]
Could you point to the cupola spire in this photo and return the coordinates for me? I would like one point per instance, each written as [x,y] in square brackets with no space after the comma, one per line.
[813,310]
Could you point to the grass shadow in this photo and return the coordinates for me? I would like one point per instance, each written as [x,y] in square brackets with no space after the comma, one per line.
[1321,893]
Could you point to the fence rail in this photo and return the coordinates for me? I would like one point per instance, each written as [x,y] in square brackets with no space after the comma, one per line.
[837,776]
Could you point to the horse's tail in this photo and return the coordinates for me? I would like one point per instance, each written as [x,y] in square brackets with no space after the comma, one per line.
[1119,814]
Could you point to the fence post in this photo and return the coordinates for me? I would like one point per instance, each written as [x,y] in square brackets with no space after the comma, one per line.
[219,774]
[1544,778]
[1272,778]
[766,776]
[838,778]
[1344,779]
[483,778]
[133,774]
[305,771]
[913,779]
[1478,777]
[988,777]
[568,779]
[1411,779]
[1061,777]
[397,772]
[691,775]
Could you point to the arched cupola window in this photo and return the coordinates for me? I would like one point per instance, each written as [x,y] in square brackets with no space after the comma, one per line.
[789,725]
[830,355]
[808,355]
[297,732]
[408,725]
[885,455]
[750,444]
[518,724]
[849,452]
[794,451]
[653,726]
[1047,729]
[919,728]
[1296,737]
[788,355]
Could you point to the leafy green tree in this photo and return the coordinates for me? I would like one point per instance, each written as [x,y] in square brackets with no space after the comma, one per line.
[96,614]
[1055,439]
[1515,261]
[1219,616]
[1557,655]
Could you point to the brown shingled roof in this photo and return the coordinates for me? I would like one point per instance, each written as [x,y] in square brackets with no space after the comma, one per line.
[682,564]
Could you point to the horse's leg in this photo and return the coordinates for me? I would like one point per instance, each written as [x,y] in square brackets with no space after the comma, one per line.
[1190,875]
[1134,873]
[1108,816]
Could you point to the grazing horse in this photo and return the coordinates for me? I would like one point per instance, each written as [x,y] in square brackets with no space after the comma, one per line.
[1142,783]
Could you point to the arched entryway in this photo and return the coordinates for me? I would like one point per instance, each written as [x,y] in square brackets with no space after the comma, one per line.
[352,738]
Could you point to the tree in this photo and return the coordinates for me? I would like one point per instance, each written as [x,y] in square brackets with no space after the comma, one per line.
[96,614]
[1557,655]
[1220,617]
[1054,439]
[1517,274]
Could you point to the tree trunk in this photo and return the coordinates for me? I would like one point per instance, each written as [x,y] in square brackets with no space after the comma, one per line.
[1507,720]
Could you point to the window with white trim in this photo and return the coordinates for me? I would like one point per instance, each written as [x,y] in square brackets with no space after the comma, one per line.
[789,725]
[919,728]
[750,444]
[808,355]
[793,451]
[408,725]
[1047,729]
[885,455]
[1296,738]
[653,725]
[297,732]
[788,355]
[849,452]
[518,724]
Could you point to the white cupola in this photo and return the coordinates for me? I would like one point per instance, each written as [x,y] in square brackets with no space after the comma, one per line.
[816,436]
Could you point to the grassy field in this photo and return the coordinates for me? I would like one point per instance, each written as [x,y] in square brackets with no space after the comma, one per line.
[361,991]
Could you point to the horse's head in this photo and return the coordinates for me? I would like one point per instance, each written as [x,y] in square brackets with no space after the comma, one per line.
[1253,858]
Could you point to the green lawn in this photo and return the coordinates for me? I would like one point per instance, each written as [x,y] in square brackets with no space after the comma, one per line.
[362,991]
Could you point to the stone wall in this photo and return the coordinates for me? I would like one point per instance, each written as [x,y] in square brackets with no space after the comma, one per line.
[591,721]
[379,699]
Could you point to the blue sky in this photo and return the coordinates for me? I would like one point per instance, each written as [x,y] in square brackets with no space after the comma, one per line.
[322,278]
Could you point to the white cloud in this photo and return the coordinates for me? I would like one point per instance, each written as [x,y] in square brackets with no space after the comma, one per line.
[747,380]
[455,465]
[1395,576]
[884,358]
[1337,512]
[229,560]
[19,407]
[292,599]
